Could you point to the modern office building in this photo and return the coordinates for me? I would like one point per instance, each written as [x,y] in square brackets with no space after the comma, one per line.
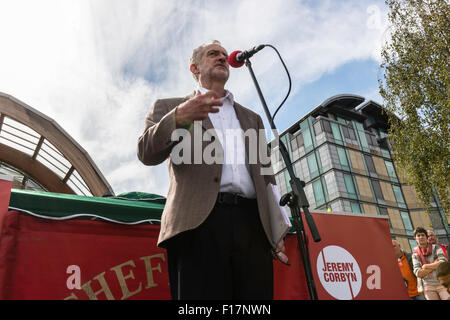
[341,151]
[40,155]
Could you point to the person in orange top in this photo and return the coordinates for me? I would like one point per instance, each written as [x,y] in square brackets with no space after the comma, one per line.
[406,268]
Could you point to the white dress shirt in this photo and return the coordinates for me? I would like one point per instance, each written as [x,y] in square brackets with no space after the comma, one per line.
[235,172]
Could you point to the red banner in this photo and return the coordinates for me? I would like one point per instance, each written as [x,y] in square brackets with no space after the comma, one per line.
[47,259]
[5,192]
[85,259]
[354,260]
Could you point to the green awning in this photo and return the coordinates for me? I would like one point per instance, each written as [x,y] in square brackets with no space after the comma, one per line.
[141,196]
[140,209]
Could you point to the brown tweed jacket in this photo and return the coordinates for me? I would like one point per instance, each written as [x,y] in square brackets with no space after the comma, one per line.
[194,188]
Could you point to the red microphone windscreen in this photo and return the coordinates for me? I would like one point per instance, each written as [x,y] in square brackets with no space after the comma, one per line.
[232,61]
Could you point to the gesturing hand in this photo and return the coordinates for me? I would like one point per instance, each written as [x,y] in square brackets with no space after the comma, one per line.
[197,108]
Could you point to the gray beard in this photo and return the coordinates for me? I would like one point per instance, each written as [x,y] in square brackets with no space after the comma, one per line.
[218,76]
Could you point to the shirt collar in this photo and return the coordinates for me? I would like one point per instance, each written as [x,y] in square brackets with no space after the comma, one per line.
[228,95]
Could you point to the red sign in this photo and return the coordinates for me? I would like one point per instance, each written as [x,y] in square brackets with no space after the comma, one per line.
[354,260]
[80,259]
[84,259]
[5,193]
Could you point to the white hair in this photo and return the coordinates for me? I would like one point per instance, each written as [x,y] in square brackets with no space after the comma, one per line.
[197,54]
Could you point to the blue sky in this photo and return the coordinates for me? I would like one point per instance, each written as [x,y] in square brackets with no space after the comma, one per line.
[359,77]
[356,77]
[96,66]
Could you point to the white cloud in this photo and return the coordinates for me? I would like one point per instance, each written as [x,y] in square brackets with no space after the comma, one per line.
[97,66]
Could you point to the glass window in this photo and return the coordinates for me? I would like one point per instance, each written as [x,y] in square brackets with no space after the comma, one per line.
[319,161]
[349,133]
[285,140]
[312,165]
[20,180]
[345,132]
[307,140]
[341,120]
[369,163]
[362,136]
[352,133]
[391,170]
[343,158]
[326,126]
[383,211]
[359,126]
[350,186]
[318,192]
[336,132]
[377,189]
[356,208]
[385,153]
[399,196]
[287,179]
[371,139]
[407,222]
[307,136]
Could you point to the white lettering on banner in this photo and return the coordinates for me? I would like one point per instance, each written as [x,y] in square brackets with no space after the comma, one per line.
[126,275]
[340,275]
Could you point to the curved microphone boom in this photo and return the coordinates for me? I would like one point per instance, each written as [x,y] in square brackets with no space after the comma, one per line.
[237,58]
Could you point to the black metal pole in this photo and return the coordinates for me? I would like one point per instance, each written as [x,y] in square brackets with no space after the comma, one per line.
[303,245]
[298,197]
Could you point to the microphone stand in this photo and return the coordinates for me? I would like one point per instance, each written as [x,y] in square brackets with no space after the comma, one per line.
[294,199]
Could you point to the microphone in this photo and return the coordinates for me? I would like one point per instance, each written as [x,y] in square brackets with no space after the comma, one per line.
[237,58]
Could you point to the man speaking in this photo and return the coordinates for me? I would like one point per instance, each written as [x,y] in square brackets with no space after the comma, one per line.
[215,225]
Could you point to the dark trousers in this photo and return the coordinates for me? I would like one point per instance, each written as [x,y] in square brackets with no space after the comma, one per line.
[226,257]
